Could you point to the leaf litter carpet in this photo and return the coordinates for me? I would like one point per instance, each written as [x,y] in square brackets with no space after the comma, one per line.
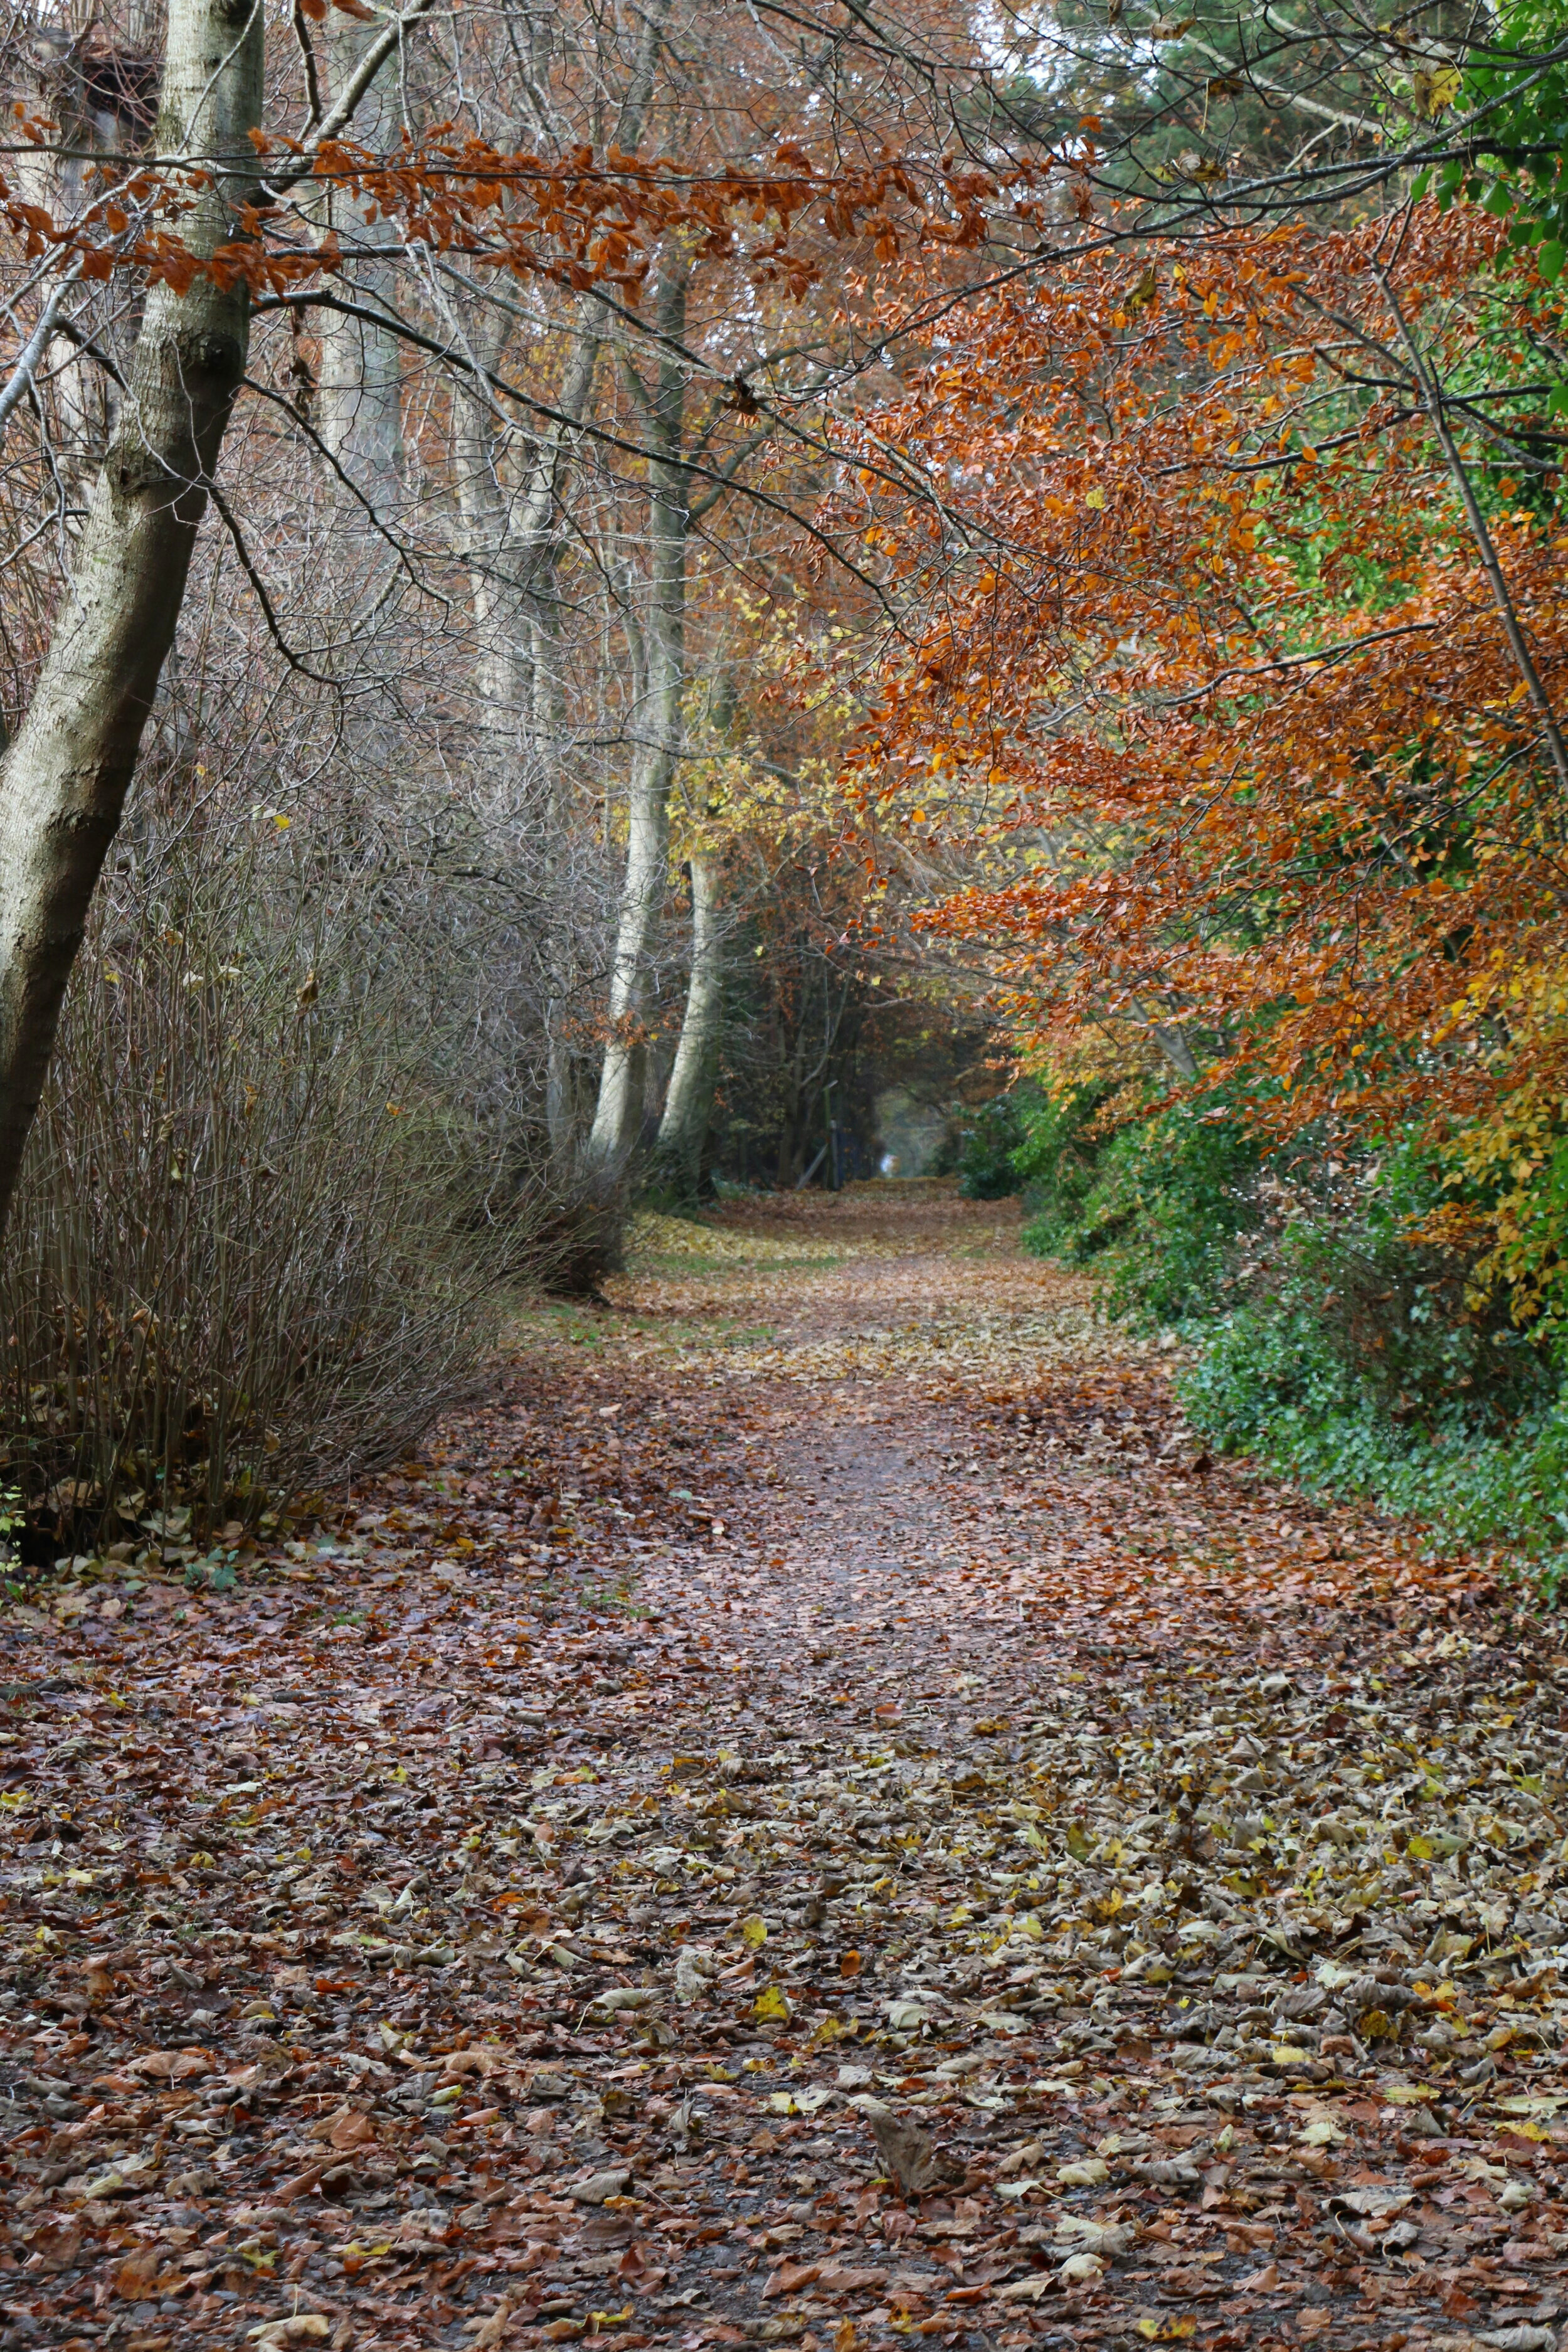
[816,1816]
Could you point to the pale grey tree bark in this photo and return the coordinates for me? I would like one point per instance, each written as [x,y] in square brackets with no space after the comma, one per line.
[511,505]
[65,778]
[656,749]
[359,385]
[77,397]
[689,1100]
[510,511]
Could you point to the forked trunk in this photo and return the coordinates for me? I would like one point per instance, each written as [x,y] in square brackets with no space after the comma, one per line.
[687,1103]
[64,779]
[658,753]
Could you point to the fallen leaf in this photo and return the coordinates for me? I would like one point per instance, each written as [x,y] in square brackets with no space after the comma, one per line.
[1079,2269]
[493,2329]
[905,2150]
[600,2185]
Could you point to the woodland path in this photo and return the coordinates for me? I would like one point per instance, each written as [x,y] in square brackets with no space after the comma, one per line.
[826,1673]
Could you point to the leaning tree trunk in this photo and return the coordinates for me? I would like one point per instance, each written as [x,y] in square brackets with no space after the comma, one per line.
[687,1103]
[66,776]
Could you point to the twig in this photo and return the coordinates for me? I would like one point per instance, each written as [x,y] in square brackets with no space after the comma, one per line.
[1431,390]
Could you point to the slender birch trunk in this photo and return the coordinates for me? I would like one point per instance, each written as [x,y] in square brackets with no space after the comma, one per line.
[76,398]
[615,1115]
[501,671]
[687,1103]
[63,786]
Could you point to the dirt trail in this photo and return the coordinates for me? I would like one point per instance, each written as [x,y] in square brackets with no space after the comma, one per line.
[817,1814]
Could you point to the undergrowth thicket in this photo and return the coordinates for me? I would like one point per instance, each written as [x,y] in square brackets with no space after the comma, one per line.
[1345,1326]
[287,1174]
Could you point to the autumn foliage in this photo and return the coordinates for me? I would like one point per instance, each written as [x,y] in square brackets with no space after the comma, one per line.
[590,220]
[1210,661]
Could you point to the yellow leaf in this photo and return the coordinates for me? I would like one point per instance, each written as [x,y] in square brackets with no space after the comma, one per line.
[1078,1842]
[1095,499]
[1432,90]
[1321,2132]
[754,1930]
[1420,1849]
[771,2006]
[844,2338]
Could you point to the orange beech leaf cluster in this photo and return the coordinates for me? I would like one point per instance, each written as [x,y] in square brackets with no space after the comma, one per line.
[583,221]
[1235,584]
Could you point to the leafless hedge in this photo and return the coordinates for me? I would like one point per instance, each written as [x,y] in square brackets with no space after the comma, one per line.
[280,1188]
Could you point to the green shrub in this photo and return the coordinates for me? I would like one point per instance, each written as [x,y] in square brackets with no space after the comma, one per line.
[1266,1383]
[986,1144]
[1159,1202]
[1332,1341]
[1058,1162]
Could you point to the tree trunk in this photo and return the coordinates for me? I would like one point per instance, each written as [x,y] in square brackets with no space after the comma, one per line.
[683,1129]
[658,733]
[361,383]
[64,779]
[559,948]
[500,598]
[512,536]
[515,539]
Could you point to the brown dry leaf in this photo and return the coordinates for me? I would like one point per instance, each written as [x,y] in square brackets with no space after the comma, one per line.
[173,2065]
[483,2063]
[349,2130]
[134,2277]
[905,2149]
[492,2330]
